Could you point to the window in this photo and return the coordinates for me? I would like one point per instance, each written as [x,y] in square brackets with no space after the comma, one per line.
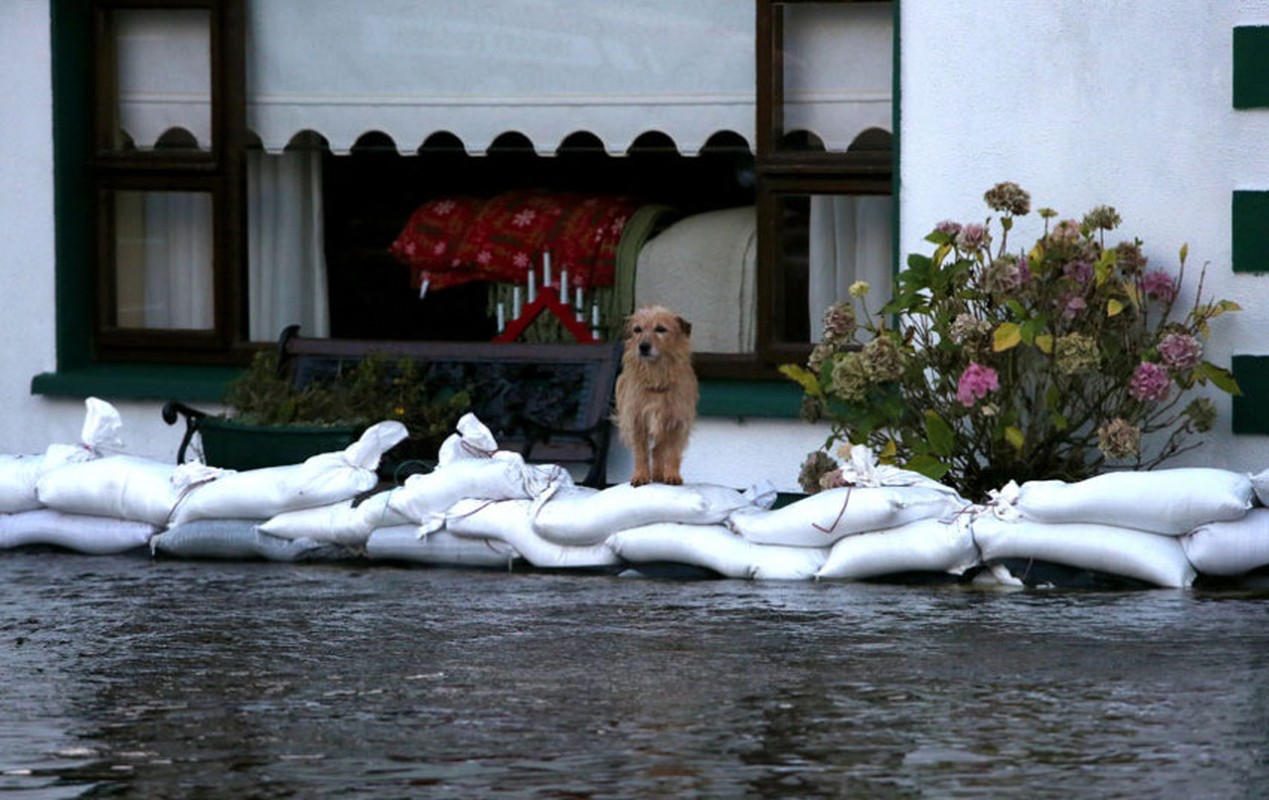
[824,163]
[168,204]
[186,205]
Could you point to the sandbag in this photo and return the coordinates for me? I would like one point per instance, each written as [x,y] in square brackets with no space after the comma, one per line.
[583,516]
[321,480]
[1260,485]
[441,548]
[470,440]
[424,499]
[83,534]
[1230,548]
[341,523]
[508,522]
[716,548]
[1150,557]
[240,540]
[123,487]
[1166,501]
[927,545]
[822,518]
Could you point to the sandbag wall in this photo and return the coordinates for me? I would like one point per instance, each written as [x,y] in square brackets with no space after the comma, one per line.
[482,507]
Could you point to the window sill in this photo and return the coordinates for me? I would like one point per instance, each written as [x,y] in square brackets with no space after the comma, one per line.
[137,382]
[719,398]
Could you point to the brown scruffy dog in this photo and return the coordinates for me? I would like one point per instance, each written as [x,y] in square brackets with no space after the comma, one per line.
[656,393]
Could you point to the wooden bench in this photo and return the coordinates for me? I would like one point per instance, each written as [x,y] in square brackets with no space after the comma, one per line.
[552,403]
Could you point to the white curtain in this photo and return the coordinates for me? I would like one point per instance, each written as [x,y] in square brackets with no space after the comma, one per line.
[850,240]
[285,252]
[176,260]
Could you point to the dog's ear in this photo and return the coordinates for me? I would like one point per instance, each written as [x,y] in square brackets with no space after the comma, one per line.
[685,326]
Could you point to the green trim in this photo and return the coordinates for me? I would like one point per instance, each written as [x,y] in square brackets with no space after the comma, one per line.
[71,41]
[1251,65]
[1250,231]
[138,382]
[720,398]
[1250,411]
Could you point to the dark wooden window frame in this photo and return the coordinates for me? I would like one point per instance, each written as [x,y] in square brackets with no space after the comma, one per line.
[219,172]
[790,171]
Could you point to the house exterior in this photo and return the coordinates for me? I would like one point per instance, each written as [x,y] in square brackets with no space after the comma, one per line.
[1160,109]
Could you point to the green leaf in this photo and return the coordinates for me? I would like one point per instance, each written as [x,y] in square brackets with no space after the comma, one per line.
[1114,307]
[929,466]
[803,377]
[1013,435]
[1220,377]
[1007,336]
[942,438]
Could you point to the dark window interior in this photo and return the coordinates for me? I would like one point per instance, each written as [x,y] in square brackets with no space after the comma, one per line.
[371,192]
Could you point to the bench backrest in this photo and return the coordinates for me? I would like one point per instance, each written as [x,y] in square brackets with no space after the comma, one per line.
[551,402]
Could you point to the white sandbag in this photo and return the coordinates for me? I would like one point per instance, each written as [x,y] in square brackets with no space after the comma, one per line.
[424,499]
[822,518]
[340,522]
[1150,557]
[471,440]
[1260,485]
[123,487]
[1167,501]
[927,545]
[240,540]
[716,548]
[508,521]
[19,474]
[441,548]
[83,534]
[583,516]
[1230,548]
[321,480]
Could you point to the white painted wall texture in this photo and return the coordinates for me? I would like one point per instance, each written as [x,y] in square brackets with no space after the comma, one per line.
[1084,103]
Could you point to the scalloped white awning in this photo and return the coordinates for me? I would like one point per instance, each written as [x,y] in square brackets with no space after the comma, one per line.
[544,68]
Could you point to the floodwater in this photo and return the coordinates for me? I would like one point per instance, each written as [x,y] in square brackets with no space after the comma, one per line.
[126,677]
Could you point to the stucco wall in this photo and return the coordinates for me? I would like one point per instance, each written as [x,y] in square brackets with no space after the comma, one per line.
[1124,103]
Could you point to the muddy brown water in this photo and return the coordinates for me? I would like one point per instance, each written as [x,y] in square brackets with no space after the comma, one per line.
[127,677]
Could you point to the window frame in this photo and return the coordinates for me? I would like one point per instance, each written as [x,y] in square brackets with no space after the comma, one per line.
[782,172]
[219,172]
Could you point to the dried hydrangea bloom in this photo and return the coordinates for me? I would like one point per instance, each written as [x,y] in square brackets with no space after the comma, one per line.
[850,377]
[1076,353]
[1180,351]
[1150,382]
[815,467]
[839,322]
[1130,259]
[973,237]
[860,288]
[1118,439]
[948,228]
[1158,285]
[1004,276]
[819,354]
[1080,272]
[1065,232]
[884,359]
[1102,218]
[1009,198]
[967,329]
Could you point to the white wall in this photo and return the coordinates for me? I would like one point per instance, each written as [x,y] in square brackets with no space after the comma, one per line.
[1087,103]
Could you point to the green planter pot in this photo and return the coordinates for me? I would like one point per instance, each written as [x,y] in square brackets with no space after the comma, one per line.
[240,446]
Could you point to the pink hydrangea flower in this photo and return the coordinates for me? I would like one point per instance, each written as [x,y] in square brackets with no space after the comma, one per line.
[1180,351]
[973,237]
[976,381]
[1150,382]
[1159,285]
[948,228]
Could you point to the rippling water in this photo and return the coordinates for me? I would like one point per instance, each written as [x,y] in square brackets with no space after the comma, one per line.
[138,678]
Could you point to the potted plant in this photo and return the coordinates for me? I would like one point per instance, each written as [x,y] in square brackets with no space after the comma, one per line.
[274,420]
[1057,360]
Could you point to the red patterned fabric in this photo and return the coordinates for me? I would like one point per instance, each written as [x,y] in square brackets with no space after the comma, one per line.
[431,238]
[507,235]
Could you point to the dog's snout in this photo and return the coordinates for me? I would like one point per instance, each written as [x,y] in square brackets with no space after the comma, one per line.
[645,348]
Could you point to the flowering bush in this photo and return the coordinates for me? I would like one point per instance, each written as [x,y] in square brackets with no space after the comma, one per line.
[1053,362]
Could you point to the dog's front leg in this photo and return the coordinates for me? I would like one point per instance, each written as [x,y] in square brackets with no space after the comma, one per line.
[667,459]
[642,456]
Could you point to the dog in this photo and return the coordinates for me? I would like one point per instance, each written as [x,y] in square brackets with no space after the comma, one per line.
[657,394]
